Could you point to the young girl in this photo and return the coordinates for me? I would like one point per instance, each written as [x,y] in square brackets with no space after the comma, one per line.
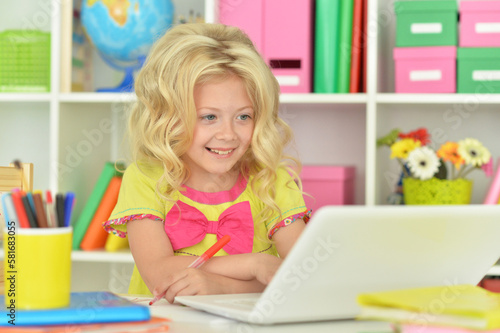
[208,150]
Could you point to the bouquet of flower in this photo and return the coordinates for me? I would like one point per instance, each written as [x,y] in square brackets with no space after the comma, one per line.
[420,161]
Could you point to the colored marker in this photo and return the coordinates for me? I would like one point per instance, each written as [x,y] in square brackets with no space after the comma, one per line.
[51,216]
[29,212]
[9,210]
[40,210]
[69,201]
[19,207]
[59,210]
[200,260]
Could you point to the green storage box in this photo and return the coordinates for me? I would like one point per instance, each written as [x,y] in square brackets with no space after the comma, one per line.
[24,61]
[478,70]
[426,23]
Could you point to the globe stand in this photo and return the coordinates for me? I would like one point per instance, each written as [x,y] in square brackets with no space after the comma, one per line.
[127,85]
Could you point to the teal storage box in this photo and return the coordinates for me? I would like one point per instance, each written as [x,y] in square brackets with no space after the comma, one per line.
[426,23]
[478,70]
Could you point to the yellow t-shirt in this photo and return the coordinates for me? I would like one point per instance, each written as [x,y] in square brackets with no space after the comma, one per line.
[138,199]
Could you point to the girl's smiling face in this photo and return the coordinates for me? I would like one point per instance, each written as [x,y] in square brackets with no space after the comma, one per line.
[222,133]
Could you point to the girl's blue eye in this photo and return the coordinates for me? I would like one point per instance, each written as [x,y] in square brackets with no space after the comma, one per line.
[245,117]
[209,117]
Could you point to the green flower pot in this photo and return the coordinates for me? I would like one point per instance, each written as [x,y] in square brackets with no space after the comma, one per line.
[437,191]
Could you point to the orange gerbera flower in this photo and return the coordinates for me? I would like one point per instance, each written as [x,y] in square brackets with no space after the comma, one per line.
[421,135]
[449,152]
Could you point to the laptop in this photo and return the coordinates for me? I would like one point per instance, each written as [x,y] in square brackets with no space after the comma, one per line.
[348,250]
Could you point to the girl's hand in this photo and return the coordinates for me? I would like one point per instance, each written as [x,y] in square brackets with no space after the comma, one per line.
[191,281]
[265,266]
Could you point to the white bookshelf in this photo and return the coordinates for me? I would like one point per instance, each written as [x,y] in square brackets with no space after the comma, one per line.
[338,129]
[123,256]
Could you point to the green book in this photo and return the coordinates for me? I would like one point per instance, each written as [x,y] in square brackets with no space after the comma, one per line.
[326,46]
[93,201]
[345,45]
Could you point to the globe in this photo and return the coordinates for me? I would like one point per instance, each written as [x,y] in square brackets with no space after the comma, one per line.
[123,31]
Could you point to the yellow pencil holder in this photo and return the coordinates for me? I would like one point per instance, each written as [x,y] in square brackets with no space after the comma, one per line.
[37,267]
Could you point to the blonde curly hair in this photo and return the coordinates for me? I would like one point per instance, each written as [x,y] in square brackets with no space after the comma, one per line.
[162,120]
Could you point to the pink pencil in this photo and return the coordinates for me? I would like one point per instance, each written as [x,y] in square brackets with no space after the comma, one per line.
[200,260]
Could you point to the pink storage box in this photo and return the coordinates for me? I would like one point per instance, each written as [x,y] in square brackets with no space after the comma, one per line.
[425,69]
[246,15]
[282,32]
[328,185]
[479,24]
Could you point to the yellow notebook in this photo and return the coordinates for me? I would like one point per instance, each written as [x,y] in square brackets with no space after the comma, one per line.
[465,306]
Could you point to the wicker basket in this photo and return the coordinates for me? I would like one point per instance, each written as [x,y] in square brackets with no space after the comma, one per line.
[24,61]
[437,191]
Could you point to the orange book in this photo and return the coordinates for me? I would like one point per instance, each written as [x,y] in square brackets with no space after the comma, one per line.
[357,47]
[96,236]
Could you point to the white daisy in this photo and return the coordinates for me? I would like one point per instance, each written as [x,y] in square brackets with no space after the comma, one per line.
[423,162]
[473,152]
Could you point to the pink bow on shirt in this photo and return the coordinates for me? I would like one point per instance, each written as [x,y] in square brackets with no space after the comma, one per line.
[185,225]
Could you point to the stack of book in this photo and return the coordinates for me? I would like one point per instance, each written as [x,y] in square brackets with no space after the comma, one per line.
[88,233]
[340,46]
[96,312]
[441,309]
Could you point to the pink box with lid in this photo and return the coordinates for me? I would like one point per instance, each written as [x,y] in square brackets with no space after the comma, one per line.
[246,15]
[425,69]
[328,185]
[479,24]
[282,33]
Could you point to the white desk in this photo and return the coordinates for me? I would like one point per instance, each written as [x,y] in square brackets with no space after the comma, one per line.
[188,320]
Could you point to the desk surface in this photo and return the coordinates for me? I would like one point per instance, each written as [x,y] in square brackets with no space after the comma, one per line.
[188,320]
